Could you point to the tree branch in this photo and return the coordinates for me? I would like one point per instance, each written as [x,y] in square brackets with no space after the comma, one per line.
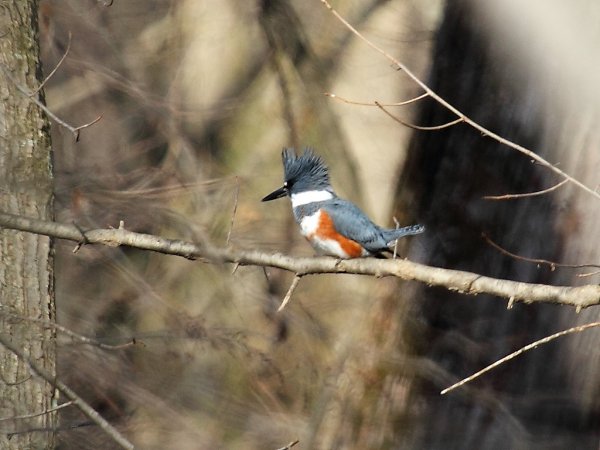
[32,98]
[85,408]
[419,127]
[525,194]
[522,350]
[454,110]
[454,280]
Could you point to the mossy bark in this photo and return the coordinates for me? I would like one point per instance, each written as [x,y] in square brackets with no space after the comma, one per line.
[26,260]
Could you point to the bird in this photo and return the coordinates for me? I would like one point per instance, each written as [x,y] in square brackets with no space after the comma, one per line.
[333,226]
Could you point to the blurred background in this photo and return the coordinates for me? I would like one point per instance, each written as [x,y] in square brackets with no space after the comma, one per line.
[197,99]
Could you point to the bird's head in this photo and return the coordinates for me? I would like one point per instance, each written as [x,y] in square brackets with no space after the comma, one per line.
[302,174]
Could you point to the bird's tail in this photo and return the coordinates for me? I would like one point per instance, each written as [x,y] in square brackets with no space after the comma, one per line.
[390,235]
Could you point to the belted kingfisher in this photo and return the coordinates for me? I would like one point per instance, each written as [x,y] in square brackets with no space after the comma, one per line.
[333,226]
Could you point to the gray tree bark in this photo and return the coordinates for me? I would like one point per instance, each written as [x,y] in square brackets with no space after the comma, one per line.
[26,260]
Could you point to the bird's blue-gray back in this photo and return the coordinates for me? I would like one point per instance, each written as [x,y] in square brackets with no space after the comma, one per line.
[352,223]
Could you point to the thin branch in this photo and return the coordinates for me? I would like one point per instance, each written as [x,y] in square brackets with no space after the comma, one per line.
[456,111]
[73,335]
[290,445]
[14,383]
[526,194]
[235,206]
[165,191]
[455,280]
[553,265]
[519,352]
[397,223]
[74,130]
[353,102]
[29,416]
[589,274]
[85,408]
[289,293]
[83,240]
[53,71]
[419,127]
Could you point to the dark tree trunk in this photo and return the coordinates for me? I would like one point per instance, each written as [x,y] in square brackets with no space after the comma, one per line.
[527,403]
[26,275]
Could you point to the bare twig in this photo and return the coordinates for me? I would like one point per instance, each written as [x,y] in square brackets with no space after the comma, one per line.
[74,130]
[519,352]
[396,241]
[525,194]
[165,191]
[73,335]
[589,274]
[455,280]
[29,416]
[290,445]
[419,127]
[353,102]
[83,240]
[235,205]
[553,265]
[456,111]
[14,383]
[53,71]
[85,408]
[289,293]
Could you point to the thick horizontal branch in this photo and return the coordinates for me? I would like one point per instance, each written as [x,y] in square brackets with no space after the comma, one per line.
[454,280]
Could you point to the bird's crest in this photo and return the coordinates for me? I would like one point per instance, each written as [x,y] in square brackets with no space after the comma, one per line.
[307,169]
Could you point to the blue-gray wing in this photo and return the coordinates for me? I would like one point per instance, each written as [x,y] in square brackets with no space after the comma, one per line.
[352,223]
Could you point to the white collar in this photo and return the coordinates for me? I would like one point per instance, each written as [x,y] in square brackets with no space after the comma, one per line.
[303,198]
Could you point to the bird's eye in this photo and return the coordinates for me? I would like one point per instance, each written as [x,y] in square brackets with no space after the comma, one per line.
[287,184]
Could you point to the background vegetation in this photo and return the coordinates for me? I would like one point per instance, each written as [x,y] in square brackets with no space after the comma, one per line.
[197,99]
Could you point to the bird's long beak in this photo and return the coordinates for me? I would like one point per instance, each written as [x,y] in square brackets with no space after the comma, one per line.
[281,192]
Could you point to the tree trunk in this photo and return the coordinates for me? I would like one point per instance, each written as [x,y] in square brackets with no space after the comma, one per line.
[26,262]
[530,402]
